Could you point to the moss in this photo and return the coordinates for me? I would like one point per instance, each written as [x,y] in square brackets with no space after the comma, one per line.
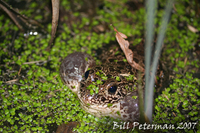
[130,77]
[179,98]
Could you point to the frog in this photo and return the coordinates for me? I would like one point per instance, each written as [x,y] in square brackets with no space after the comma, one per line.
[109,88]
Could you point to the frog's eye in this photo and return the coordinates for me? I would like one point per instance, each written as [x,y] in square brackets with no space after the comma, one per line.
[87,74]
[112,89]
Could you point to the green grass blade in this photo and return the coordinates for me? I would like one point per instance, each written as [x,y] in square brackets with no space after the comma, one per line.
[150,15]
[149,97]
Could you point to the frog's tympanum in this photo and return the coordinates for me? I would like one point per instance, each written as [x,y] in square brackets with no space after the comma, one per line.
[106,89]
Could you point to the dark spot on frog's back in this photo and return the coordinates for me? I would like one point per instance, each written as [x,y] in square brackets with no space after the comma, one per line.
[111,69]
[82,85]
[91,71]
[109,75]
[111,60]
[120,63]
[98,67]
[72,87]
[124,116]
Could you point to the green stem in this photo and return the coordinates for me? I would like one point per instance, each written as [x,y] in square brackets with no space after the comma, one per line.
[149,97]
[150,15]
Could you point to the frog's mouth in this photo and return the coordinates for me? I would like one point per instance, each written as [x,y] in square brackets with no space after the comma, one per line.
[100,110]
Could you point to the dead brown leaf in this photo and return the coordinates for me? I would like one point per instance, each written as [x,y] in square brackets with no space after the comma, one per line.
[124,44]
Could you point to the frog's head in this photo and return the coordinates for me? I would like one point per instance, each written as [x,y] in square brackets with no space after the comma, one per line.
[104,90]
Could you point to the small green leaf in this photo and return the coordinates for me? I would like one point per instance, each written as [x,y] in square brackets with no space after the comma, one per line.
[117,78]
[104,77]
[134,97]
[99,82]
[109,104]
[118,113]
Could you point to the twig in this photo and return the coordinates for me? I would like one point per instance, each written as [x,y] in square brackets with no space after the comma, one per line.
[21,21]
[10,81]
[33,62]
